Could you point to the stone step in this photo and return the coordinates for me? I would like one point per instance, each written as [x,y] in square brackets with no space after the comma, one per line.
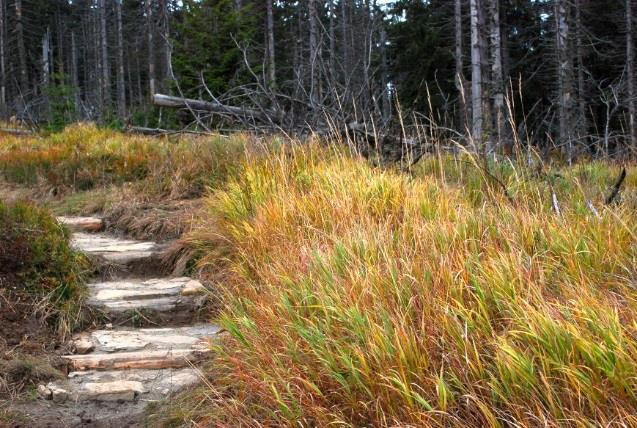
[134,385]
[116,257]
[174,298]
[82,224]
[147,348]
[113,249]
[144,339]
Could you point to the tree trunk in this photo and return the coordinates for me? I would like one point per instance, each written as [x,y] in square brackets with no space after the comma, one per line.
[75,81]
[46,55]
[3,60]
[581,89]
[314,51]
[387,105]
[476,75]
[151,48]
[106,75]
[497,77]
[270,39]
[332,10]
[459,78]
[565,78]
[121,88]
[22,56]
[630,74]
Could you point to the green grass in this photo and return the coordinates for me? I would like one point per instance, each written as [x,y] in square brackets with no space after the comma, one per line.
[37,265]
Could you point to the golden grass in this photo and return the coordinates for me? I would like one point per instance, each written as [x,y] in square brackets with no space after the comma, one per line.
[362,297]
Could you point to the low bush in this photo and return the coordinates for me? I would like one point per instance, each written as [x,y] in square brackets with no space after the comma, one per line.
[39,272]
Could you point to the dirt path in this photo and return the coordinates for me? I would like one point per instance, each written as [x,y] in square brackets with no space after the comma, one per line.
[119,369]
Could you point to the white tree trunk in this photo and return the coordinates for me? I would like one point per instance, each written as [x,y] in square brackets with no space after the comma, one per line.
[565,78]
[497,77]
[46,64]
[476,74]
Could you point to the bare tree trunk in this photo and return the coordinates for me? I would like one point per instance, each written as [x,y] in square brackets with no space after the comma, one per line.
[630,74]
[167,48]
[270,37]
[497,77]
[476,74]
[387,106]
[151,48]
[3,59]
[581,90]
[314,51]
[75,81]
[46,64]
[332,10]
[565,78]
[22,56]
[459,78]
[106,75]
[121,88]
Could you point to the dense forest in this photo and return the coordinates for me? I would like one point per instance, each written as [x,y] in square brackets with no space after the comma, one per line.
[552,73]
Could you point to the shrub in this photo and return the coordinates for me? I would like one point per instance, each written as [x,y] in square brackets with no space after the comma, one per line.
[37,264]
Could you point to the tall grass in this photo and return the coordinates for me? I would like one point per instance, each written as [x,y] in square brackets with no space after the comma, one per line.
[83,157]
[363,297]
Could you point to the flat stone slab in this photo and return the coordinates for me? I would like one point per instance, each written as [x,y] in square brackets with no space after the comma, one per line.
[162,359]
[152,294]
[120,385]
[82,224]
[113,249]
[145,339]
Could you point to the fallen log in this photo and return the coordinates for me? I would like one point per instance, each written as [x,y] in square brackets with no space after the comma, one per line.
[267,116]
[13,131]
[160,131]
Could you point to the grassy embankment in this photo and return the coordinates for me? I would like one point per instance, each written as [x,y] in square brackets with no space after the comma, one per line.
[360,296]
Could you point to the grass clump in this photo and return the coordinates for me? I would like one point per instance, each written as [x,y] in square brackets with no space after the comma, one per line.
[363,297]
[39,272]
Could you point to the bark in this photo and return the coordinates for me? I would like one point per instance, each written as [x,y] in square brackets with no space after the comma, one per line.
[314,51]
[46,64]
[565,78]
[214,107]
[459,78]
[630,74]
[22,56]
[106,72]
[581,85]
[151,48]
[496,71]
[270,43]
[332,11]
[75,81]
[3,60]
[476,74]
[121,88]
[386,106]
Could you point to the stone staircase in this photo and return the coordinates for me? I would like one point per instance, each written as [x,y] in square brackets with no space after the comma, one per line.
[123,367]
